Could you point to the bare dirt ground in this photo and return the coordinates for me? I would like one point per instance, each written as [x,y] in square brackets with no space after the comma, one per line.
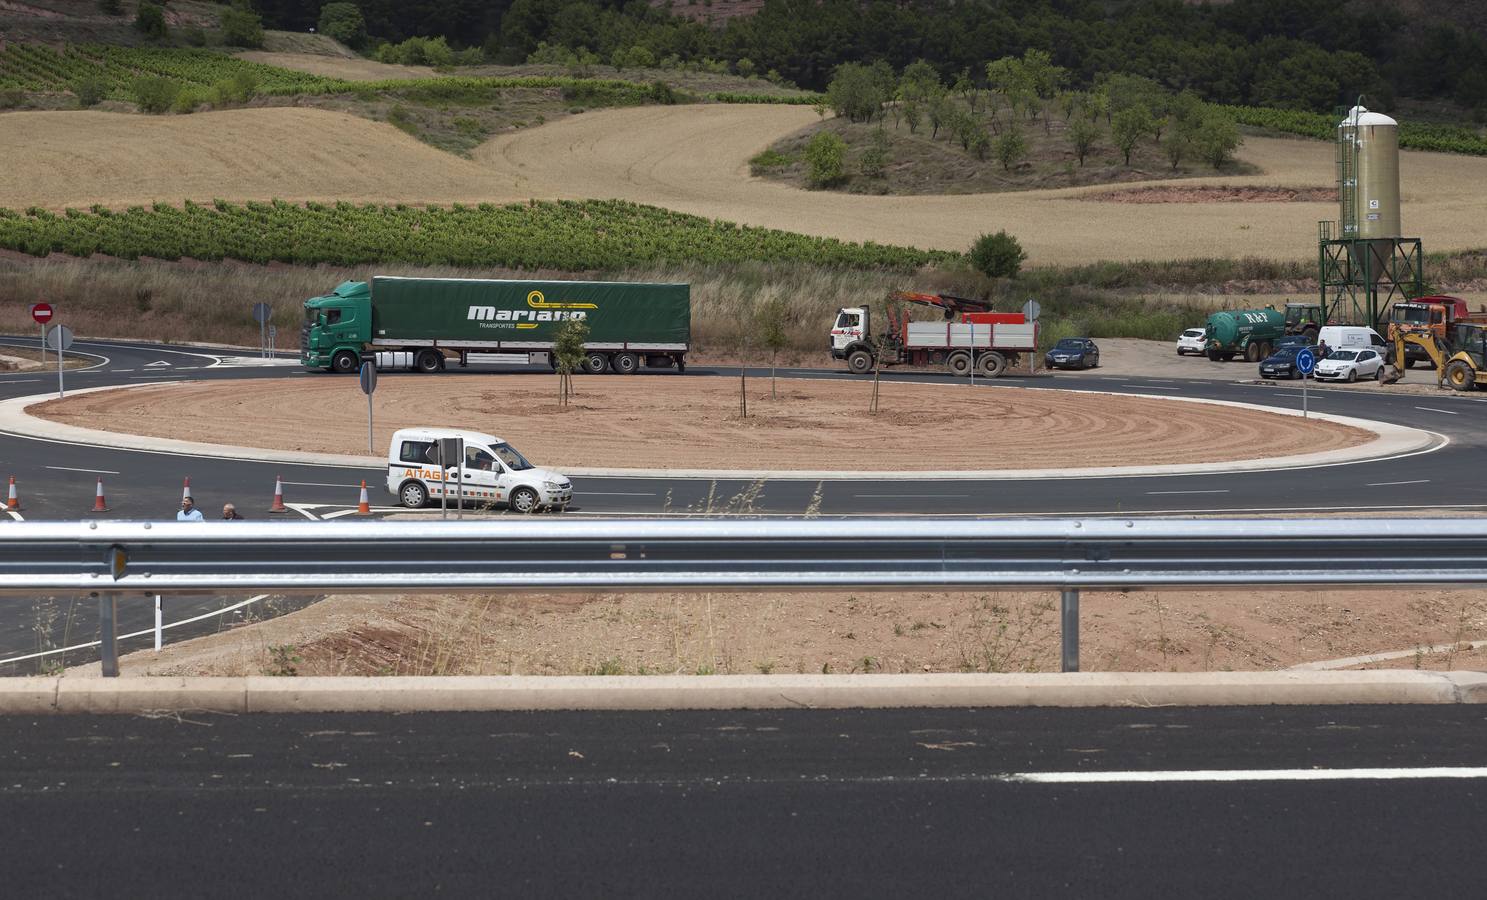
[690,158]
[694,422]
[815,633]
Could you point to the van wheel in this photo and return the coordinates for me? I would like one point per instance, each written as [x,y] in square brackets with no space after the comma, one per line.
[428,361]
[413,495]
[524,500]
[345,362]
[625,363]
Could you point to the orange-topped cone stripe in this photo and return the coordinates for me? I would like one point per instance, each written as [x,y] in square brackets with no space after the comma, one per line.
[278,506]
[12,502]
[186,489]
[364,506]
[99,505]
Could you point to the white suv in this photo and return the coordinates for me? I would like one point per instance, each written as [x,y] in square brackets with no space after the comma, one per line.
[492,471]
[1350,365]
[1191,341]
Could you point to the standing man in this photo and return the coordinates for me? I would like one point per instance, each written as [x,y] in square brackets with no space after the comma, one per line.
[189,512]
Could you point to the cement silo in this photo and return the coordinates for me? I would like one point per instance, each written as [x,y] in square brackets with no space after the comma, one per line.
[1368,175]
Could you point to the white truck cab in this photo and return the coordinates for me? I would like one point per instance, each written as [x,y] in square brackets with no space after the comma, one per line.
[849,329]
[491,472]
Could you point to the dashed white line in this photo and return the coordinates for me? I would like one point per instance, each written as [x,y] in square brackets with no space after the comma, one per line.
[1150,387]
[1389,483]
[89,471]
[1433,409]
[1155,493]
[15,515]
[1221,775]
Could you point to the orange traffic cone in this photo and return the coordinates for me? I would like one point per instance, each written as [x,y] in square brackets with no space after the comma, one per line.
[99,505]
[12,502]
[364,507]
[278,506]
[186,490]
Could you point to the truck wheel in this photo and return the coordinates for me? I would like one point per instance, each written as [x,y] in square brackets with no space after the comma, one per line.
[625,363]
[1460,376]
[1265,350]
[524,500]
[1252,353]
[345,362]
[1213,355]
[992,364]
[413,495]
[595,363]
[859,362]
[959,363]
[428,361]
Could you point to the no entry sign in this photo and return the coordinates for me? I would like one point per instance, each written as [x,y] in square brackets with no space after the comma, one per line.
[42,312]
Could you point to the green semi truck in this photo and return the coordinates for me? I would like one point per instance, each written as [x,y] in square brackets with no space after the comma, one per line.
[422,323]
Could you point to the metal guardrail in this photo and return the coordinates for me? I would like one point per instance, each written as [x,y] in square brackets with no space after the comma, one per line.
[107,559]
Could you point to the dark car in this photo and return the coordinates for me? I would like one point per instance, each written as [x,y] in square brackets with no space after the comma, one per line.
[1294,341]
[1281,364]
[1073,353]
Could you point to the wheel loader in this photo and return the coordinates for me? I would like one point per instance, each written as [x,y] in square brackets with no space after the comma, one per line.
[1460,361]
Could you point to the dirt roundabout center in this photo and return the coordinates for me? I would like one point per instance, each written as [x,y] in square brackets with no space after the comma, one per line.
[696,422]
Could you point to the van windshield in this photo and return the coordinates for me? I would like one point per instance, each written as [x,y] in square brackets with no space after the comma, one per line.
[511,458]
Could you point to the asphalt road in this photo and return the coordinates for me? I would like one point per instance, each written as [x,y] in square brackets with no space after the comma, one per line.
[963,803]
[57,480]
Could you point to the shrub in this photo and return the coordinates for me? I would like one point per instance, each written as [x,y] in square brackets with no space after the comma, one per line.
[997,255]
[343,22]
[11,98]
[825,158]
[90,90]
[149,19]
[241,26]
[1216,138]
[155,94]
[194,36]
[766,160]
[186,100]
[874,160]
[1010,147]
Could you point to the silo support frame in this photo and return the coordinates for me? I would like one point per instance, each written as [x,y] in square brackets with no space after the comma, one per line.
[1359,279]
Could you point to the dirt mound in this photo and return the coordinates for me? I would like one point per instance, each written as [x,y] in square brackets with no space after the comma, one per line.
[693,422]
[79,158]
[1211,194]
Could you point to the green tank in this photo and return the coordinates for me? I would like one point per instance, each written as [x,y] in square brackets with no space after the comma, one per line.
[1246,332]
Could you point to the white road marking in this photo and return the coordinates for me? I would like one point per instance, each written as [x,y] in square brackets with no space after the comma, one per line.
[21,381]
[15,515]
[349,487]
[90,471]
[135,634]
[1221,775]
[1150,387]
[303,510]
[1155,493]
[158,377]
[1433,409]
[1389,483]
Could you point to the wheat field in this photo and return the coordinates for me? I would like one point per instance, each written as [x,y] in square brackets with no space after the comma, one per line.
[689,158]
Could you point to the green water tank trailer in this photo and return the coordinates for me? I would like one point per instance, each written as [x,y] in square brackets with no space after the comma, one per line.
[1247,332]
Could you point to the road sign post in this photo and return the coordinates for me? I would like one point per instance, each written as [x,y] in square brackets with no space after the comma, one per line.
[59,338]
[261,314]
[368,385]
[1306,363]
[1030,311]
[42,313]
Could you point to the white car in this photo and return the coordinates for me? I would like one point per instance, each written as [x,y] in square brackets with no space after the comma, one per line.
[1350,365]
[1191,341]
[491,472]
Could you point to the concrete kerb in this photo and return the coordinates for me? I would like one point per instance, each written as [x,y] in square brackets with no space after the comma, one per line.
[264,694]
[1391,441]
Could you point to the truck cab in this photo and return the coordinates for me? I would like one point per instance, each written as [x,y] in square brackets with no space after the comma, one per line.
[851,332]
[336,328]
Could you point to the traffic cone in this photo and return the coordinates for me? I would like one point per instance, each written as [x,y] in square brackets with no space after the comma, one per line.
[186,490]
[12,502]
[364,506]
[278,506]
[99,505]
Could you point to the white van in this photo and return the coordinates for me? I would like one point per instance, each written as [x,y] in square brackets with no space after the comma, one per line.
[1350,337]
[491,472]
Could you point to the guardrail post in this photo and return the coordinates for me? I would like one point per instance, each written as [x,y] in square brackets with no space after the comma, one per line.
[108,633]
[1070,622]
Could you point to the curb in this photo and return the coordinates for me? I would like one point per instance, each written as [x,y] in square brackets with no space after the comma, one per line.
[1391,441]
[265,694]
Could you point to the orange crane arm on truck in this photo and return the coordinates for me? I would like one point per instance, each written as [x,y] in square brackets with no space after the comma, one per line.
[971,311]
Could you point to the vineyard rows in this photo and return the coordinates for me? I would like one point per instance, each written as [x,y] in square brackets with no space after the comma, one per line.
[563,235]
[1412,135]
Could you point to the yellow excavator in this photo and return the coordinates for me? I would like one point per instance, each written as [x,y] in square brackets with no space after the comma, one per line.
[1460,361]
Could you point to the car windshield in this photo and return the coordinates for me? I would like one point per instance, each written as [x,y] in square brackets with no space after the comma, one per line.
[1069,344]
[512,459]
[1285,353]
[1344,355]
